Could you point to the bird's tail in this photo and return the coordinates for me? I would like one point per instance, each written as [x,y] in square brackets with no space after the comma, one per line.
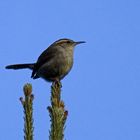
[21,66]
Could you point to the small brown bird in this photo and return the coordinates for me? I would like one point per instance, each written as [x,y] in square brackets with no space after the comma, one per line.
[54,63]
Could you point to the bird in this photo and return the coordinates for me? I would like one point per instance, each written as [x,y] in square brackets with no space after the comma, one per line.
[54,63]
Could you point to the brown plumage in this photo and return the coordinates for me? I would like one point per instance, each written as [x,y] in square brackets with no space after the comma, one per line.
[54,63]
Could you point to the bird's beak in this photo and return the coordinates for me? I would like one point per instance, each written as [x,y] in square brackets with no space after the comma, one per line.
[79,42]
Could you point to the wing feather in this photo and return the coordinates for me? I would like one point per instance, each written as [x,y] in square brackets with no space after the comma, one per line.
[45,57]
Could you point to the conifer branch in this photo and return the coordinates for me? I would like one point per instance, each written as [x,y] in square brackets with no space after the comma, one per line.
[27,104]
[57,112]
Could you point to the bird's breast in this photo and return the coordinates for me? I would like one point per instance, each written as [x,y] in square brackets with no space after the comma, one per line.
[65,62]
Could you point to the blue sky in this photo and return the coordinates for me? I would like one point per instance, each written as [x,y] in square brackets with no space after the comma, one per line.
[101,93]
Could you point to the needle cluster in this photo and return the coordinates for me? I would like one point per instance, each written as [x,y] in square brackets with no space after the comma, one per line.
[57,112]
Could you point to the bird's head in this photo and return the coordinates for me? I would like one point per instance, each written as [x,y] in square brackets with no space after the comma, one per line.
[67,43]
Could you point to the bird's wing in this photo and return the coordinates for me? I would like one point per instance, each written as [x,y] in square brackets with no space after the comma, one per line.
[45,57]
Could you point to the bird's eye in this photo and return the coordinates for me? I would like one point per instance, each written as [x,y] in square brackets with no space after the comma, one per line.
[68,41]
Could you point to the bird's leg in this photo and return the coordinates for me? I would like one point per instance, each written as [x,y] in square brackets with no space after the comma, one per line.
[57,82]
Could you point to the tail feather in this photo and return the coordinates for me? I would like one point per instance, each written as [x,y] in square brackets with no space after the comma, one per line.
[20,66]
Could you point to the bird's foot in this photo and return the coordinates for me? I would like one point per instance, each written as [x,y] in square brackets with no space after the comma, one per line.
[57,82]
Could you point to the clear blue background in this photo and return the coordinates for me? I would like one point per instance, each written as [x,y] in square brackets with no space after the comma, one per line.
[101,93]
